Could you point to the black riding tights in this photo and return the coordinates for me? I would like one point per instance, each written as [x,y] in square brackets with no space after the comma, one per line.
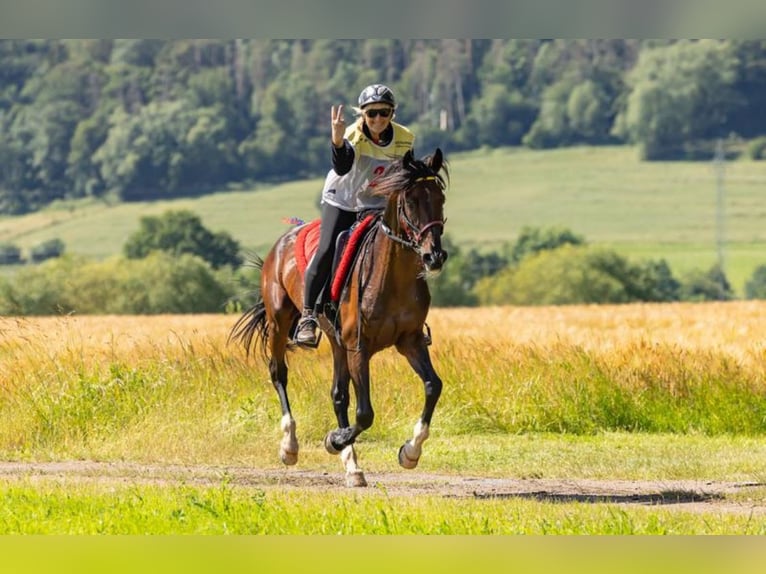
[334,221]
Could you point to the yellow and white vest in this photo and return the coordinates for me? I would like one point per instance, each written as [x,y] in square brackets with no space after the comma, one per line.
[351,192]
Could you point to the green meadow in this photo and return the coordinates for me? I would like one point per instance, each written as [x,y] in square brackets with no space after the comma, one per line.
[645,210]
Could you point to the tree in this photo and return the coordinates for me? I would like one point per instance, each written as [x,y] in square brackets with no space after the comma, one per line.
[590,113]
[160,283]
[679,93]
[47,250]
[498,117]
[572,274]
[711,285]
[657,283]
[10,254]
[534,239]
[551,128]
[749,119]
[178,232]
[267,152]
[167,149]
[452,287]
[553,277]
[755,288]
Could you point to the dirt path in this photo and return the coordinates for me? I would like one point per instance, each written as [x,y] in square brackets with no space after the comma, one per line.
[683,495]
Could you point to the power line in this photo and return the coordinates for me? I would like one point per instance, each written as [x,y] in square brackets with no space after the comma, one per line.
[720,168]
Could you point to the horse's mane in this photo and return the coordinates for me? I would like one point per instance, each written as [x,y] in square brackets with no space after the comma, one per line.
[403,175]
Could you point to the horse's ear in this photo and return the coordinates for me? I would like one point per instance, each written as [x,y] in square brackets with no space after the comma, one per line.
[437,159]
[407,158]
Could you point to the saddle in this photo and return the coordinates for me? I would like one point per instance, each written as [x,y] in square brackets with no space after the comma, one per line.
[346,247]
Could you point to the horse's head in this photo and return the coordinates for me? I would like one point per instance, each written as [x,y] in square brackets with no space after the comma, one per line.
[416,196]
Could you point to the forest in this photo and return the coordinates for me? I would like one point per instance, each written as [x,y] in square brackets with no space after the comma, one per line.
[129,120]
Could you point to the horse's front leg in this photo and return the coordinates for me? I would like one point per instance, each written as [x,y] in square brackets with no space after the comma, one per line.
[341,440]
[417,354]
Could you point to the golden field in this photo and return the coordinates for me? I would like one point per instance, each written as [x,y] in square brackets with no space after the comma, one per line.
[737,329]
[170,388]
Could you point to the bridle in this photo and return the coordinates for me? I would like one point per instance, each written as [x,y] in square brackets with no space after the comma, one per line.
[413,235]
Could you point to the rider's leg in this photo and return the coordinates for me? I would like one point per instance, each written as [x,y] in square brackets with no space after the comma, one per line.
[334,220]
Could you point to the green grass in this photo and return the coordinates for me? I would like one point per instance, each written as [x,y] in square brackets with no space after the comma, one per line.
[646,209]
[33,508]
[68,408]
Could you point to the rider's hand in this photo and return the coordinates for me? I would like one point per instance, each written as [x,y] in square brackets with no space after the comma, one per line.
[338,125]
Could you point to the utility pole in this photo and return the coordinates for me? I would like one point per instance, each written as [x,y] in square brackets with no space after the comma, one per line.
[720,167]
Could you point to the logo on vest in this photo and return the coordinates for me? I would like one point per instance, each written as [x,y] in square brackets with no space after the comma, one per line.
[376,174]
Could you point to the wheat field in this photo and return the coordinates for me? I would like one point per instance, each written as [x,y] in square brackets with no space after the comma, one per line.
[671,392]
[71,382]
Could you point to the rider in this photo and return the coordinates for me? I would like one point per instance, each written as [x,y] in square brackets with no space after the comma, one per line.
[359,155]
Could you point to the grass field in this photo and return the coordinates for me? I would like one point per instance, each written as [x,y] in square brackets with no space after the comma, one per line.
[641,209]
[669,392]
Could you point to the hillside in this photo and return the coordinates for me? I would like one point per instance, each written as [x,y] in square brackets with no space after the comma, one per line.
[642,209]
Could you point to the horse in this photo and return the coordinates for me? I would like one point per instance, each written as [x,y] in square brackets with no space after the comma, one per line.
[384,303]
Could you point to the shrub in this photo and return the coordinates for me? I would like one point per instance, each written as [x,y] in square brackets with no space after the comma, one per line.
[756,149]
[47,250]
[711,285]
[532,240]
[578,274]
[10,254]
[178,232]
[755,288]
[160,283]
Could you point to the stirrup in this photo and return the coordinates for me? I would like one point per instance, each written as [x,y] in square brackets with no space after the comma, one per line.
[317,333]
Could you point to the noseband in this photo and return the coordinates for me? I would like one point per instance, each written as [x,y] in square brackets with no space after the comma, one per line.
[413,235]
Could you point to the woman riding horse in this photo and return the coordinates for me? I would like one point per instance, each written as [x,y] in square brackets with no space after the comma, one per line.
[359,155]
[384,303]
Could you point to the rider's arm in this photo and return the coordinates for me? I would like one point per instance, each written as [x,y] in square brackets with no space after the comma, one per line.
[342,157]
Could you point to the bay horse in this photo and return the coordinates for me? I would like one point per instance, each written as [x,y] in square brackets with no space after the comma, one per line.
[384,303]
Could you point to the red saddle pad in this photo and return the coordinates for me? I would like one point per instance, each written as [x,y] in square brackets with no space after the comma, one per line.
[306,245]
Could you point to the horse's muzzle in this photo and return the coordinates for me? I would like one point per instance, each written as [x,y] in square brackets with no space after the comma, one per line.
[434,260]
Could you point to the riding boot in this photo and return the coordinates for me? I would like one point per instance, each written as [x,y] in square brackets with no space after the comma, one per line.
[306,330]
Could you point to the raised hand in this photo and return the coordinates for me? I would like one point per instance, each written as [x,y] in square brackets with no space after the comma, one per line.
[338,125]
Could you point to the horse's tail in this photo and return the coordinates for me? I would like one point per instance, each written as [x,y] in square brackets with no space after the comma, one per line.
[252,323]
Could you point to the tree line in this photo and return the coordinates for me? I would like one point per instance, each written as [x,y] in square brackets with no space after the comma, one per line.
[150,119]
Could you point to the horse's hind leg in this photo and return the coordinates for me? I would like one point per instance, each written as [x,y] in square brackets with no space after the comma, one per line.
[340,401]
[288,446]
[420,360]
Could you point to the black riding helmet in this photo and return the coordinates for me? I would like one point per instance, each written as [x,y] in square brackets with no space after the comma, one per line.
[375,94]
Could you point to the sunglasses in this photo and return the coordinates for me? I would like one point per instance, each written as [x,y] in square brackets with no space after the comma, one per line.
[383,112]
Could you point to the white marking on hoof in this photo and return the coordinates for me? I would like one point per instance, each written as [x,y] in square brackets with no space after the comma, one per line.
[409,454]
[354,474]
[288,446]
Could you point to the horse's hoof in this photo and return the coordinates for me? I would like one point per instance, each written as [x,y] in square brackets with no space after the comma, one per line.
[328,444]
[355,479]
[288,458]
[405,461]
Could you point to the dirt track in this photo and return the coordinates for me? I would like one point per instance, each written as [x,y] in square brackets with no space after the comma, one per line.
[683,495]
